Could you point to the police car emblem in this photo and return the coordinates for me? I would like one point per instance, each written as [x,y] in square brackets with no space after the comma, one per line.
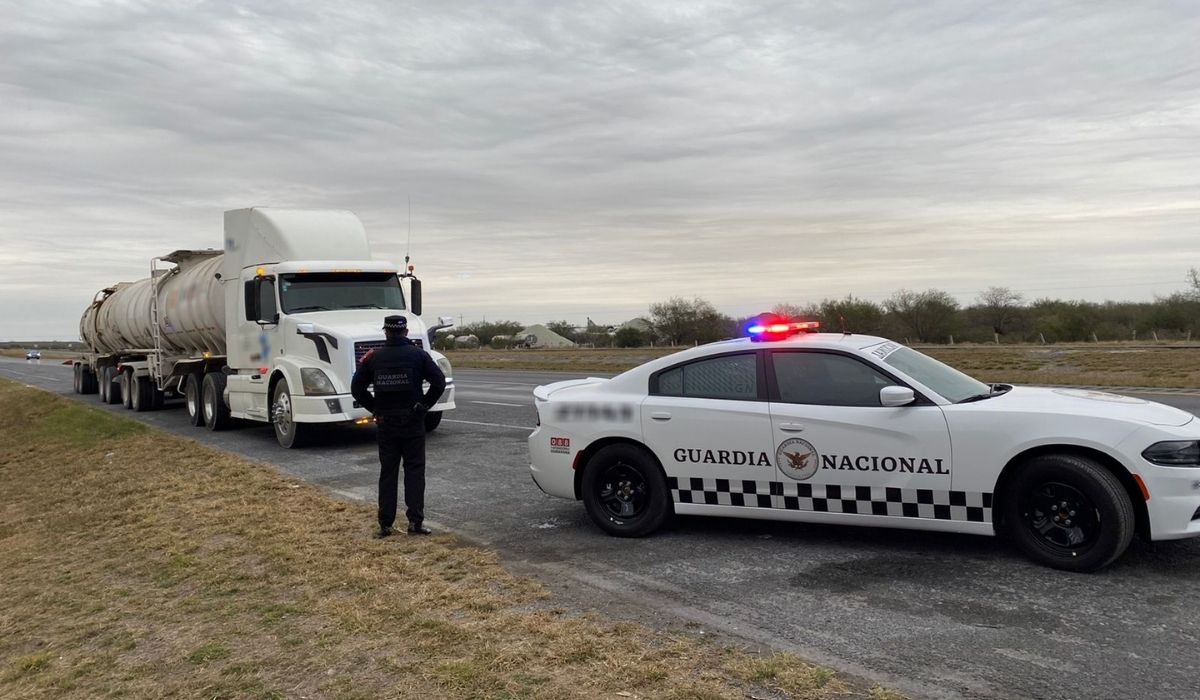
[797,458]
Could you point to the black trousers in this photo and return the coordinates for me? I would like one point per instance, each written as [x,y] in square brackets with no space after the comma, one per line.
[401,441]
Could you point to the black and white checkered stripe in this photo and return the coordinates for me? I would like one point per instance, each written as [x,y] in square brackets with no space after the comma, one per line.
[830,498]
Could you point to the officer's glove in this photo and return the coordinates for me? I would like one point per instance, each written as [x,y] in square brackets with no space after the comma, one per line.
[420,409]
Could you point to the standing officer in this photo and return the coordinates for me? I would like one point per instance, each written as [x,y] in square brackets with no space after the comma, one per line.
[397,370]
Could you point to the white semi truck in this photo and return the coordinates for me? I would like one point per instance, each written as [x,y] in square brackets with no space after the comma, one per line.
[268,329]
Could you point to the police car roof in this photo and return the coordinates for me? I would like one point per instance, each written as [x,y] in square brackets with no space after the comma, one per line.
[843,341]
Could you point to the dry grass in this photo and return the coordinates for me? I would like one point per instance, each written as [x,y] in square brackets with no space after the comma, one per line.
[1133,365]
[138,564]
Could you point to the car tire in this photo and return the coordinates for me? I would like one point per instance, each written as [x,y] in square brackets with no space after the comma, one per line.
[288,433]
[625,492]
[193,401]
[432,420]
[1068,512]
[212,395]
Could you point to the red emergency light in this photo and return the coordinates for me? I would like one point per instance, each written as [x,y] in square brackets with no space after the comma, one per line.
[778,330]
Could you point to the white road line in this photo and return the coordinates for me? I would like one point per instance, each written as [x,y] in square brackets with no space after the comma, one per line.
[499,403]
[491,425]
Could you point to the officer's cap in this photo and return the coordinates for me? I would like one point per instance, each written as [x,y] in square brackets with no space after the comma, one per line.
[395,323]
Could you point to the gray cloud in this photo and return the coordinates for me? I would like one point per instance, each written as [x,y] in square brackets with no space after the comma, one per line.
[576,159]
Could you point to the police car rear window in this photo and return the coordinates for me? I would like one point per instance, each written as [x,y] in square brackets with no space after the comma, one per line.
[725,377]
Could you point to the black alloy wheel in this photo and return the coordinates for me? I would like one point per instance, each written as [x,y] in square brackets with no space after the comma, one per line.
[625,491]
[1062,516]
[1068,512]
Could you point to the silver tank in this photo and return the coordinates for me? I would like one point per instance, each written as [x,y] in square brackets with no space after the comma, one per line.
[191,308]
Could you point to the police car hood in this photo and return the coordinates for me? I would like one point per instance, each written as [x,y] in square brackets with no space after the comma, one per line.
[1084,402]
[357,324]
[568,387]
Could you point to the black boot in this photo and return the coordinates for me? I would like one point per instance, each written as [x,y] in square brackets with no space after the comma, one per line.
[418,529]
[384,531]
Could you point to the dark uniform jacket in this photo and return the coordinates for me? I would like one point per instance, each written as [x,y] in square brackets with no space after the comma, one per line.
[397,370]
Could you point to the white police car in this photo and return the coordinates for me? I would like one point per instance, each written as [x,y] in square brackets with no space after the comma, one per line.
[33,355]
[791,424]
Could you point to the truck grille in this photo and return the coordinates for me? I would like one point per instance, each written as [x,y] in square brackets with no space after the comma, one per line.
[363,347]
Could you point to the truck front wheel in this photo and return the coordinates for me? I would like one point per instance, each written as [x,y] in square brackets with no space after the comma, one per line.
[212,393]
[288,432]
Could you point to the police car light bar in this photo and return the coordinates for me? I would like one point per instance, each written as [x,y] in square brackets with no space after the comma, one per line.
[760,331]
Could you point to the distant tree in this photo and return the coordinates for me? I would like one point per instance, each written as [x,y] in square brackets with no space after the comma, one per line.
[679,321]
[1067,321]
[1001,307]
[850,314]
[1194,282]
[485,330]
[795,311]
[629,337]
[563,328]
[928,316]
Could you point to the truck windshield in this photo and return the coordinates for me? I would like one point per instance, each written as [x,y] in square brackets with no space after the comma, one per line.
[333,291]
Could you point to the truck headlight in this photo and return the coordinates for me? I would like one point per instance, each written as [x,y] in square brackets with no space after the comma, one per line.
[316,382]
[444,365]
[1174,453]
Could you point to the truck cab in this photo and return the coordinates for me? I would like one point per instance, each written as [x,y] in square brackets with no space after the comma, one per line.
[304,302]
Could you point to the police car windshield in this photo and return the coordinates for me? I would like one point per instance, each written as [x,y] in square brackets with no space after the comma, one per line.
[952,385]
[333,291]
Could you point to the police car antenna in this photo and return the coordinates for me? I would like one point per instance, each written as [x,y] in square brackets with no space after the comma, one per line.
[843,320]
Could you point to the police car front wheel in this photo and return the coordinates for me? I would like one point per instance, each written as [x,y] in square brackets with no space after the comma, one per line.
[1069,513]
[625,492]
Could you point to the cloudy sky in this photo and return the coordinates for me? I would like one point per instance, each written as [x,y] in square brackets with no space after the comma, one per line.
[567,160]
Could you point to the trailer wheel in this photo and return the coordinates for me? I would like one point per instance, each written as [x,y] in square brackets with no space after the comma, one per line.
[110,387]
[288,432]
[216,413]
[87,382]
[127,388]
[143,394]
[192,398]
[77,379]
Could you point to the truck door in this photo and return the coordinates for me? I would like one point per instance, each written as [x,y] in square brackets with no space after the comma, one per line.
[839,450]
[708,422]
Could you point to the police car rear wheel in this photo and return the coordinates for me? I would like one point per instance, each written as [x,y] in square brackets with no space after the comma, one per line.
[432,420]
[625,492]
[1069,513]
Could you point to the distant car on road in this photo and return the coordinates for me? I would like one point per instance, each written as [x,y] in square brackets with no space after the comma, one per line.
[33,355]
[792,424]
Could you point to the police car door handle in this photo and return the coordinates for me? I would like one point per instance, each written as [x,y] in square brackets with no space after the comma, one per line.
[791,427]
[660,415]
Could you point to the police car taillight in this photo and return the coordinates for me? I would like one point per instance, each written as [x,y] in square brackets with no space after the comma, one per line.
[779,331]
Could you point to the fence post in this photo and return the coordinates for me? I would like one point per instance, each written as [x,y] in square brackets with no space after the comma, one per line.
[1042,336]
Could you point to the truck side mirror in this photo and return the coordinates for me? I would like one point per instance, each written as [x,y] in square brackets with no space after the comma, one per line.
[414,302]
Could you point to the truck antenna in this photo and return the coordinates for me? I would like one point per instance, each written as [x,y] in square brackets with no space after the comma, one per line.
[408,246]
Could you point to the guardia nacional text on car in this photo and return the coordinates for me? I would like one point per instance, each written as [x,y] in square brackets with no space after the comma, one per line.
[793,424]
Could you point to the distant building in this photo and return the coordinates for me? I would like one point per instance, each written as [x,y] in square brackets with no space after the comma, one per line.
[539,336]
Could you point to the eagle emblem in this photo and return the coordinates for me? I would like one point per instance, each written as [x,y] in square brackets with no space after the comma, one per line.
[797,459]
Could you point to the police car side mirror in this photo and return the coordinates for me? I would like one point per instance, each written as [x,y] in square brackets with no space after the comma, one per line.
[893,396]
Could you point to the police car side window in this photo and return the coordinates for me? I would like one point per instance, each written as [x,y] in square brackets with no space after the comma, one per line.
[726,377]
[826,379]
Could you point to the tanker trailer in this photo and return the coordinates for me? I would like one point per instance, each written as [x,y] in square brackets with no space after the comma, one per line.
[267,330]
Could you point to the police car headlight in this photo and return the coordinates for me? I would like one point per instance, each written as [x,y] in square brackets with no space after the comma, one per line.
[444,365]
[316,382]
[1174,453]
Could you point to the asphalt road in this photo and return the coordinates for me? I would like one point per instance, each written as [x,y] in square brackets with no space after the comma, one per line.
[933,615]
